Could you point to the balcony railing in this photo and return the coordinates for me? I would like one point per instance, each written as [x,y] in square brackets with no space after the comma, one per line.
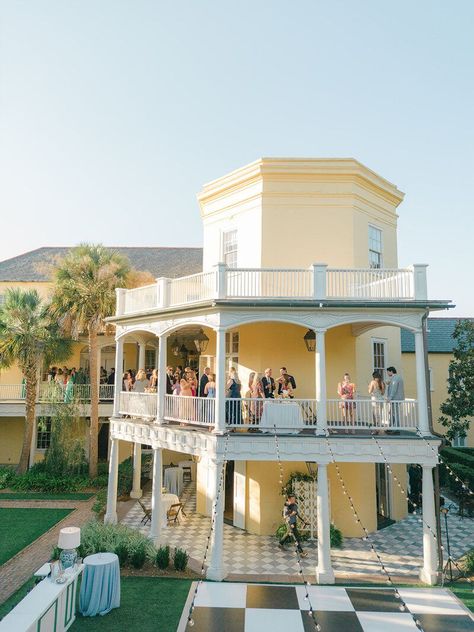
[141,405]
[317,283]
[282,415]
[47,392]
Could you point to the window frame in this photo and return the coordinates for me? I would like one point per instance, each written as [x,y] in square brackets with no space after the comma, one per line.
[234,252]
[43,437]
[383,342]
[370,250]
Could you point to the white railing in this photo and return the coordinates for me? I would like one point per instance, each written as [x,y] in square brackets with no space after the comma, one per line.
[261,283]
[317,283]
[367,414]
[142,405]
[190,410]
[47,391]
[370,284]
[192,289]
[141,298]
[270,414]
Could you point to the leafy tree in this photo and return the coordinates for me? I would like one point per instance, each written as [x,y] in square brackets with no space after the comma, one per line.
[459,406]
[30,337]
[84,295]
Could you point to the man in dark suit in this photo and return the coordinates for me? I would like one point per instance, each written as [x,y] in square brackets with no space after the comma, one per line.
[203,381]
[290,378]
[268,384]
[169,380]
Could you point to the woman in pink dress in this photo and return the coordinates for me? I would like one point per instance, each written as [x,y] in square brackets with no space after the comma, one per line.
[347,392]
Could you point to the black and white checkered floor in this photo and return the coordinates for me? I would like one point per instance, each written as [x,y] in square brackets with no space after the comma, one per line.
[400,545]
[231,607]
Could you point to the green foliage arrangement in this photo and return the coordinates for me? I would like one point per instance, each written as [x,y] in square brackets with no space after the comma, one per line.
[138,555]
[97,537]
[288,488]
[336,537]
[162,559]
[121,550]
[459,405]
[7,475]
[469,562]
[100,502]
[180,559]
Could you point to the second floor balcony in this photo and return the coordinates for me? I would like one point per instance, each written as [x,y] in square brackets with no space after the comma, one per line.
[318,283]
[79,392]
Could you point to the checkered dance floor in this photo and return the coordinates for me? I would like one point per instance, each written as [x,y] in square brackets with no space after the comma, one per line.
[231,607]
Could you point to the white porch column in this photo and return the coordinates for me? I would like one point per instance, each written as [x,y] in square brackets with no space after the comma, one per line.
[429,572]
[219,427]
[320,369]
[141,355]
[137,471]
[216,570]
[156,505]
[423,420]
[118,375]
[161,386]
[324,572]
[111,513]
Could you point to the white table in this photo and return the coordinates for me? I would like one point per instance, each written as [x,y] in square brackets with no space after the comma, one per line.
[166,501]
[282,414]
[173,480]
[190,464]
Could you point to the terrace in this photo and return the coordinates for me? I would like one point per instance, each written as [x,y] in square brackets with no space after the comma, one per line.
[318,283]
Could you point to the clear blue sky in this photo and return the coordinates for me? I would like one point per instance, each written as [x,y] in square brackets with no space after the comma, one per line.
[113,114]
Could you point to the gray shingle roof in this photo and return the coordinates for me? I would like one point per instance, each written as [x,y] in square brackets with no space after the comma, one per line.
[167,262]
[440,332]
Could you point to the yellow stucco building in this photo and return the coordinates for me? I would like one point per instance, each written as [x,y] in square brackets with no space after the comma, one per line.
[300,270]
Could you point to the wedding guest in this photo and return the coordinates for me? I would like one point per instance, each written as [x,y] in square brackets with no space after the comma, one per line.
[395,393]
[154,380]
[377,392]
[169,380]
[111,378]
[286,388]
[291,379]
[141,383]
[268,384]
[203,381]
[233,390]
[210,388]
[346,391]
[256,393]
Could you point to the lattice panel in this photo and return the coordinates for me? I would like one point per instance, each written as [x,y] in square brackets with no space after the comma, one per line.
[305,492]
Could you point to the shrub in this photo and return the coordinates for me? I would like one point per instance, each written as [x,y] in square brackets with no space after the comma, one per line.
[469,562]
[336,537]
[281,530]
[162,559]
[125,477]
[455,455]
[100,502]
[121,550]
[55,553]
[99,537]
[180,559]
[37,480]
[7,475]
[138,555]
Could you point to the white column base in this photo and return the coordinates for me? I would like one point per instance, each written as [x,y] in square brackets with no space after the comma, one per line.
[325,577]
[429,577]
[110,518]
[320,432]
[216,574]
[136,493]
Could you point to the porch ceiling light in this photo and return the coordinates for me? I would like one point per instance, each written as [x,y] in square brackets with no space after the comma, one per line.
[175,347]
[201,341]
[310,340]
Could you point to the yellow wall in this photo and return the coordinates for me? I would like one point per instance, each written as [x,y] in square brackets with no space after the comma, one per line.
[295,212]
[359,479]
[439,365]
[399,505]
[11,439]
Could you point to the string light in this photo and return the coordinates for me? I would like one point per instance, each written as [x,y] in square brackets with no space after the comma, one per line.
[367,538]
[219,490]
[306,583]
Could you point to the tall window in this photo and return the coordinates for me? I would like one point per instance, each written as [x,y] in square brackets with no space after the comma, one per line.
[229,247]
[43,433]
[375,247]
[459,442]
[379,356]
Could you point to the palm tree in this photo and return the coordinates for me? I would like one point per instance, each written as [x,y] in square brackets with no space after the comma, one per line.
[32,338]
[84,295]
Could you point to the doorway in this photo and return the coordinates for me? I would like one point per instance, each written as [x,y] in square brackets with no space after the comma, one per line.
[382,485]
[229,493]
[103,441]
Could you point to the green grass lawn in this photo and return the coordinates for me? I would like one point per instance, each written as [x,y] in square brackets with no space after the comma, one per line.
[20,527]
[41,496]
[17,596]
[147,604]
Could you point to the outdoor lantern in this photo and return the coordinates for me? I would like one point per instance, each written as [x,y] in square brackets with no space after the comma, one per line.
[183,351]
[201,341]
[310,340]
[69,540]
[175,347]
